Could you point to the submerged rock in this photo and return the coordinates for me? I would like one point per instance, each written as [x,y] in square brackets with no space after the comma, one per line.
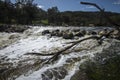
[54,74]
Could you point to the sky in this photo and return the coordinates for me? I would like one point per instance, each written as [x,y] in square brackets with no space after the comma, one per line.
[74,5]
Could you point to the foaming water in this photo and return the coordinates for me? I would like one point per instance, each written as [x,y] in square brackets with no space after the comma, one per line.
[32,40]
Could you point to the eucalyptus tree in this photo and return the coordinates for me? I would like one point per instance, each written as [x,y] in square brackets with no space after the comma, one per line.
[53,15]
[26,11]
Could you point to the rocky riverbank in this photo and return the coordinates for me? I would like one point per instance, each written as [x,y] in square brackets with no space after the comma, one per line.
[73,33]
[13,28]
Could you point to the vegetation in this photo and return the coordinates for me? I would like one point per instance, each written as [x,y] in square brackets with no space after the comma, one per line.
[107,70]
[29,13]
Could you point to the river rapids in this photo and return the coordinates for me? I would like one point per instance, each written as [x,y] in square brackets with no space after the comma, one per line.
[16,65]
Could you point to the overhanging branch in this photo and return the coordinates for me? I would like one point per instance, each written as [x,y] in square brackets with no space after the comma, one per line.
[102,11]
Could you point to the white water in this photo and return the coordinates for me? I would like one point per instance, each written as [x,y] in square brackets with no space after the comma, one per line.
[32,41]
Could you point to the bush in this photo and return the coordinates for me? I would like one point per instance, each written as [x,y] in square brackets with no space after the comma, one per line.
[108,70]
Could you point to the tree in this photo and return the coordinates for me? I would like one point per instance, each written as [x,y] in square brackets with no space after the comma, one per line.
[26,11]
[6,12]
[53,15]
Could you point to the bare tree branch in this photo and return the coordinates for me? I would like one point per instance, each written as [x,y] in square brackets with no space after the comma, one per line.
[39,54]
[102,11]
[70,46]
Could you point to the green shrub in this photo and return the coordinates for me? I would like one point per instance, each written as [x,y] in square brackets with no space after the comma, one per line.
[109,69]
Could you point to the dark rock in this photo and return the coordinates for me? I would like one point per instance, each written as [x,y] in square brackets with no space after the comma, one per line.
[68,35]
[103,32]
[88,32]
[115,34]
[13,28]
[57,33]
[3,69]
[76,30]
[57,30]
[57,73]
[93,33]
[54,33]
[60,34]
[83,32]
[14,36]
[44,77]
[78,34]
[45,32]
[49,74]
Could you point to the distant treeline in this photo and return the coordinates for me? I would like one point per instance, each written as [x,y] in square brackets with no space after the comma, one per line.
[29,13]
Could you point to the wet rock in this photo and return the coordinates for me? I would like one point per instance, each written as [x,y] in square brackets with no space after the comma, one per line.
[88,32]
[49,74]
[59,73]
[70,60]
[78,34]
[14,36]
[83,32]
[56,73]
[57,30]
[115,34]
[13,28]
[104,33]
[93,33]
[68,35]
[45,32]
[44,77]
[57,33]
[60,34]
[3,69]
[76,30]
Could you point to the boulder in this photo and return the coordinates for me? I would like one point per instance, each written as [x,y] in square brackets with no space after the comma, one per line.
[76,30]
[93,33]
[83,32]
[45,32]
[104,33]
[68,35]
[57,33]
[14,36]
[79,34]
[115,34]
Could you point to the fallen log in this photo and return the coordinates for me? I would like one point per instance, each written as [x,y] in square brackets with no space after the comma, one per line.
[72,44]
[99,38]
[39,54]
